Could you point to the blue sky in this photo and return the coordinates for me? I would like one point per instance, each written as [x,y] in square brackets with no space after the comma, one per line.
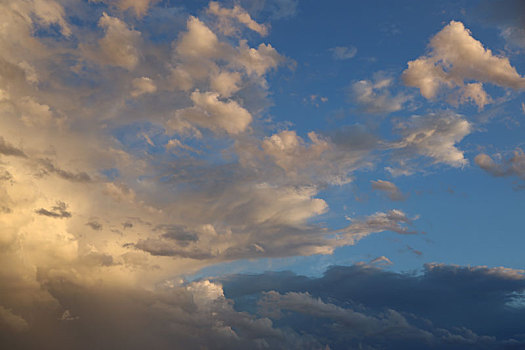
[262,174]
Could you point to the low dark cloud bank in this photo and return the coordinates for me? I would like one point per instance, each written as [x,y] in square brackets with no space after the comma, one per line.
[446,306]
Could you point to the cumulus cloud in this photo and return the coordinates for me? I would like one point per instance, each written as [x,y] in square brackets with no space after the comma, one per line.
[455,58]
[120,44]
[393,192]
[212,113]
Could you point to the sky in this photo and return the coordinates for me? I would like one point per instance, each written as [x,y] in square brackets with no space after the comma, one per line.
[262,174]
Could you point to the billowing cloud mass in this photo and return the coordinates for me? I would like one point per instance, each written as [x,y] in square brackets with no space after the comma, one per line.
[458,62]
[139,144]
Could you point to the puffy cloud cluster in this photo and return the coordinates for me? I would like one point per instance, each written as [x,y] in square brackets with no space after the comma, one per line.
[457,60]
[125,161]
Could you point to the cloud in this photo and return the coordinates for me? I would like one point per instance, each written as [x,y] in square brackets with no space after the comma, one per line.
[141,86]
[95,225]
[365,306]
[456,58]
[389,188]
[48,166]
[120,44]
[274,9]
[237,13]
[434,136]
[59,211]
[49,12]
[139,6]
[11,321]
[513,166]
[381,260]
[8,150]
[210,112]
[374,97]
[343,52]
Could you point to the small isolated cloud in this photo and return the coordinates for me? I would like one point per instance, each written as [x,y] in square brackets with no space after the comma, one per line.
[458,63]
[95,225]
[59,211]
[388,188]
[415,251]
[343,52]
[381,261]
[374,97]
[513,166]
[66,316]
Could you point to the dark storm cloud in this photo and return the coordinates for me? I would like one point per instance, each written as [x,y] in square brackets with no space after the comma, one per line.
[444,307]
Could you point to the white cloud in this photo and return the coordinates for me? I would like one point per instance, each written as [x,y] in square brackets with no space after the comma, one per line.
[226,83]
[120,44]
[258,61]
[141,86]
[434,136]
[456,58]
[212,113]
[198,42]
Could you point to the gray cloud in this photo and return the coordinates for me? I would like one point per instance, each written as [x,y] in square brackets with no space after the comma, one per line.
[369,307]
[9,150]
[393,192]
[512,166]
[58,211]
[95,225]
[64,174]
